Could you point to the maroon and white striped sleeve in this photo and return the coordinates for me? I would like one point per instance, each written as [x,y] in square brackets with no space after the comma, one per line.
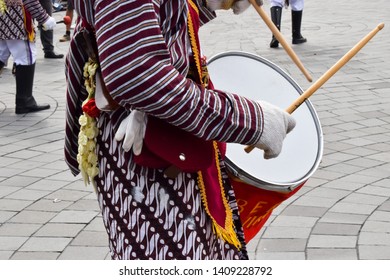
[36,10]
[137,69]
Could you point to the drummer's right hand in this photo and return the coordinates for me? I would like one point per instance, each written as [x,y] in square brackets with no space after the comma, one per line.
[277,123]
[132,131]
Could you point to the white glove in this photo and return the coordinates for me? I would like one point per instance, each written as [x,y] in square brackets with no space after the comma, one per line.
[49,24]
[238,6]
[277,123]
[132,129]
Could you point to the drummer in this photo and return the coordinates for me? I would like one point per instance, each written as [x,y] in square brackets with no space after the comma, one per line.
[150,77]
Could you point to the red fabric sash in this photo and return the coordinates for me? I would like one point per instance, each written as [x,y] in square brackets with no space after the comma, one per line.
[210,179]
[28,24]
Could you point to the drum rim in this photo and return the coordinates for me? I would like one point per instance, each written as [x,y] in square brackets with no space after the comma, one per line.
[266,184]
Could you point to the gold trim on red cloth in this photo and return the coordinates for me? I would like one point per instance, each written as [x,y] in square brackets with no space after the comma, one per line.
[211,190]
[193,33]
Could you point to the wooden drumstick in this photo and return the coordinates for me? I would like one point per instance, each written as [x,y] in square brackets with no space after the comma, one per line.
[280,38]
[328,74]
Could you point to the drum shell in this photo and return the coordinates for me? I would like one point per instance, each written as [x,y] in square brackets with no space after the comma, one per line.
[256,78]
[258,195]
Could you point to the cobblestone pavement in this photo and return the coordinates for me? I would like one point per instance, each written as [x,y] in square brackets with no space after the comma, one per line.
[342,212]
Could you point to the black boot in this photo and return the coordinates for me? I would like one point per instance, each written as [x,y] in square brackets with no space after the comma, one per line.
[47,42]
[47,35]
[25,102]
[276,16]
[296,19]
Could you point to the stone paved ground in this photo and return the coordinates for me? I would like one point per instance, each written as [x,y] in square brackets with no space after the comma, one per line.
[342,212]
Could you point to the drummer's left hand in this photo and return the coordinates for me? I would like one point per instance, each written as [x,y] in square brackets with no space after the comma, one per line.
[238,6]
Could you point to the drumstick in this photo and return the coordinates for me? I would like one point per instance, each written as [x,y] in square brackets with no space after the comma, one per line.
[280,38]
[328,74]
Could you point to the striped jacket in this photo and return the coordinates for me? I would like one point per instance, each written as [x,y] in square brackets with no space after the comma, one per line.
[143,49]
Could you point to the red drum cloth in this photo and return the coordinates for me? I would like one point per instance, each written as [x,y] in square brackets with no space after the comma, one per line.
[256,205]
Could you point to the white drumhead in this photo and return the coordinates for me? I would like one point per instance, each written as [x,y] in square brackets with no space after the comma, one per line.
[258,79]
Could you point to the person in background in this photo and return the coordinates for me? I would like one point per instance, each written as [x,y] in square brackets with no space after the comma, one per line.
[17,38]
[296,19]
[46,36]
[69,13]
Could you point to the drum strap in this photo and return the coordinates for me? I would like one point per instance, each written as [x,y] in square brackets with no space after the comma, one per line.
[210,180]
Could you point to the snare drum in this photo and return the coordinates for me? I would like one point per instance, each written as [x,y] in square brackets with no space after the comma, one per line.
[261,185]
